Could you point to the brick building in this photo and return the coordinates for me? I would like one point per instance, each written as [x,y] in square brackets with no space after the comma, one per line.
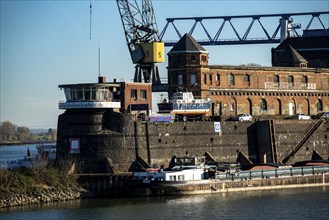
[247,89]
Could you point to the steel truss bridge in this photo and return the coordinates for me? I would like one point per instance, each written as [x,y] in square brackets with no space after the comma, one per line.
[270,34]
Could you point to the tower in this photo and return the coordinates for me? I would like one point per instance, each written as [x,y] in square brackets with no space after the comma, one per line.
[188,60]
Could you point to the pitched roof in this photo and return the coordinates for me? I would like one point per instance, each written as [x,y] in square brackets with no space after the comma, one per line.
[290,54]
[187,44]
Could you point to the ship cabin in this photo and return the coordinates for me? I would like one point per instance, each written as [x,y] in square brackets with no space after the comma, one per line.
[125,97]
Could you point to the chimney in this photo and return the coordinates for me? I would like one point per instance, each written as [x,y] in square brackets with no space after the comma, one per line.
[101,79]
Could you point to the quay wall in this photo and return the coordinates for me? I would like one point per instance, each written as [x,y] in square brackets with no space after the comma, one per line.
[288,134]
[110,141]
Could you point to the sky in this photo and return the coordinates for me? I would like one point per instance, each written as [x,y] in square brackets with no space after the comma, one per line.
[46,43]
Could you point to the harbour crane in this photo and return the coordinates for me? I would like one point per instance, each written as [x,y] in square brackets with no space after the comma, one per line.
[142,38]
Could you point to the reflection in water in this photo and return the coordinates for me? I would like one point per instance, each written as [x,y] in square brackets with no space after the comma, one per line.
[302,203]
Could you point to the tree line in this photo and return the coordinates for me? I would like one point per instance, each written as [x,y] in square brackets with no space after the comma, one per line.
[11,133]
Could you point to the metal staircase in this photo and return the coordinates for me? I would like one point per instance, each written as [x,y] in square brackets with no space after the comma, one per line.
[303,141]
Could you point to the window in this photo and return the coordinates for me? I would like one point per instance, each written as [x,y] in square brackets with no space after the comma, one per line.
[86,92]
[193,58]
[143,94]
[203,58]
[217,79]
[263,105]
[319,106]
[304,79]
[193,78]
[291,81]
[79,94]
[172,178]
[232,106]
[205,79]
[276,79]
[210,79]
[246,79]
[231,79]
[180,80]
[133,94]
[68,93]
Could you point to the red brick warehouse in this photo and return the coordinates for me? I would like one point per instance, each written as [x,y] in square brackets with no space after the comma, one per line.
[290,89]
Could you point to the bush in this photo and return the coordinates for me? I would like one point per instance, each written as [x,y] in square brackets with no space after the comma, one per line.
[30,180]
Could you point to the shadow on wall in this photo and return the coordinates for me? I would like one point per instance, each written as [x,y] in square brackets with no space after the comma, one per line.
[253,150]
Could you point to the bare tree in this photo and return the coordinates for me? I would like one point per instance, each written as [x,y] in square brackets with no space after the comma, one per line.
[23,134]
[7,131]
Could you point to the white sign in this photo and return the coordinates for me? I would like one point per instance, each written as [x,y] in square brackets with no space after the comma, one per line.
[74,145]
[69,105]
[217,127]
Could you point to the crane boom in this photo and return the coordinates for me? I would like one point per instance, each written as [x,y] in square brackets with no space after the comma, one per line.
[142,38]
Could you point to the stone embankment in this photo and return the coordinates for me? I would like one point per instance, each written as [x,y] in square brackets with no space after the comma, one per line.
[43,196]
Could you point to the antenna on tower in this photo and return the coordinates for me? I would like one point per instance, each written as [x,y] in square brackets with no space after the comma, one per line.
[90,6]
[99,59]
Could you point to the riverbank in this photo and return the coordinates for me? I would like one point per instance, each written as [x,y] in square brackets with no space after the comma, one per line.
[42,196]
[27,143]
[27,186]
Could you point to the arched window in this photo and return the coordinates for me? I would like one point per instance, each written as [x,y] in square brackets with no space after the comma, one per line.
[304,79]
[291,80]
[231,79]
[319,106]
[263,105]
[246,79]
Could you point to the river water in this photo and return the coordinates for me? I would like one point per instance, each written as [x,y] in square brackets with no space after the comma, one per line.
[300,203]
[15,152]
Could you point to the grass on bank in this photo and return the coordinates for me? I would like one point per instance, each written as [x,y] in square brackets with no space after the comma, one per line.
[33,180]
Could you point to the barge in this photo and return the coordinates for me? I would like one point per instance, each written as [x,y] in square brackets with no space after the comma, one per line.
[202,179]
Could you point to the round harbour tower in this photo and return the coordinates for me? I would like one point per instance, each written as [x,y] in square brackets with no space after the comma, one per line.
[93,133]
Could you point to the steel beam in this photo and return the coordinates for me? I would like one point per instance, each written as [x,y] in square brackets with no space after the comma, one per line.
[272,35]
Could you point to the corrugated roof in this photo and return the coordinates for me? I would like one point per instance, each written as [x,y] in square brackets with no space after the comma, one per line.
[187,44]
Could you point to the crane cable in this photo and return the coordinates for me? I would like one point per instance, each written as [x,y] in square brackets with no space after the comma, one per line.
[90,20]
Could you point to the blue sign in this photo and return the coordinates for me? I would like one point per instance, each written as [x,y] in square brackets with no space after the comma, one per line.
[161,118]
[217,127]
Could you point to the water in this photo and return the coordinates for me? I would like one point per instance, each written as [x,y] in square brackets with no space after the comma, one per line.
[15,152]
[301,203]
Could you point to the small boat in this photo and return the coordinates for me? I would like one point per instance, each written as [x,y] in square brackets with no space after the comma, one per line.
[185,106]
[46,153]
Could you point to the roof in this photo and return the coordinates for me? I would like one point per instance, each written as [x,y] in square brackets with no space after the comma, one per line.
[187,44]
[302,43]
[290,54]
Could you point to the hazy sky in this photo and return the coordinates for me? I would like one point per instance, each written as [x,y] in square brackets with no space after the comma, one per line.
[46,43]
